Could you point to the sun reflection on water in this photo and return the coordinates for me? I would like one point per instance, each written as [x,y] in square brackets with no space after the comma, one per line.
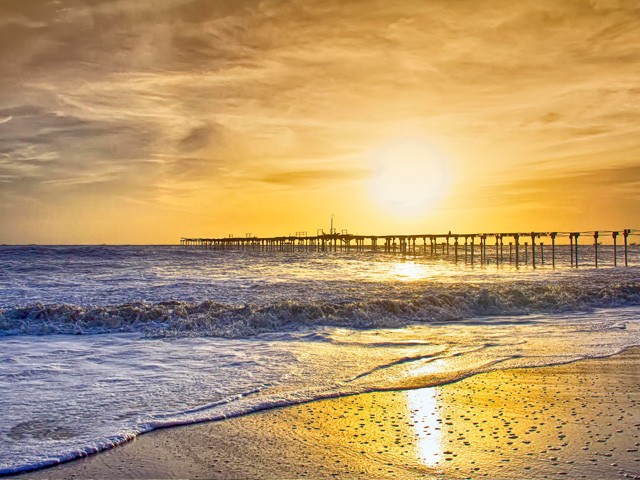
[408,271]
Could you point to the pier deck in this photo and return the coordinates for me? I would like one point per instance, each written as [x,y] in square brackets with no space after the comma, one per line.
[523,247]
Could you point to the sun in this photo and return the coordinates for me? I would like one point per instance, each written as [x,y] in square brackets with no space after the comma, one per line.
[409,176]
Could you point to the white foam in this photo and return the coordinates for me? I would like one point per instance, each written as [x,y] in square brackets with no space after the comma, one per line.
[165,336]
[68,396]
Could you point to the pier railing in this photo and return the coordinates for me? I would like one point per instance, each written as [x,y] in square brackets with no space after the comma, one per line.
[514,247]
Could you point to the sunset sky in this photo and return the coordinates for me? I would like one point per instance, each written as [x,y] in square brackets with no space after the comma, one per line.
[140,121]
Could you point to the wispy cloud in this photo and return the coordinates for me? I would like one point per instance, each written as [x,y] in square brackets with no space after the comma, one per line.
[167,103]
[306,178]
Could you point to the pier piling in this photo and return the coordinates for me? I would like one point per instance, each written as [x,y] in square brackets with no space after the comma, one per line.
[472,248]
[533,249]
[571,247]
[455,248]
[625,234]
[439,245]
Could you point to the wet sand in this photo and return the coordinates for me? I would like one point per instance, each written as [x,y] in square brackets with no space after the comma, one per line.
[580,420]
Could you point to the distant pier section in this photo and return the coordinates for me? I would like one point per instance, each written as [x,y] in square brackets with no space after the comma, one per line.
[519,248]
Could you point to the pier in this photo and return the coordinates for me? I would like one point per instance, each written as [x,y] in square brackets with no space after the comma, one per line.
[518,248]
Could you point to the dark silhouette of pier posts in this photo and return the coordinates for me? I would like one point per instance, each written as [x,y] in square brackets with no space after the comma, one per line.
[406,245]
[571,247]
[465,248]
[625,234]
[484,249]
[455,247]
[473,239]
[533,249]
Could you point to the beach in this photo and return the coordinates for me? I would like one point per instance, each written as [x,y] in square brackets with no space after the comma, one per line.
[578,420]
[307,364]
[308,239]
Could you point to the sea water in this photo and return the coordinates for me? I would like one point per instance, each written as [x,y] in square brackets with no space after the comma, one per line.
[99,344]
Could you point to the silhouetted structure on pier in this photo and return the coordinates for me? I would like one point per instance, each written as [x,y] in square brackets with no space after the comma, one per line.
[463,245]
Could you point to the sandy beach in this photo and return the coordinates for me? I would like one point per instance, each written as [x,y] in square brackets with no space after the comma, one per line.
[579,420]
[291,239]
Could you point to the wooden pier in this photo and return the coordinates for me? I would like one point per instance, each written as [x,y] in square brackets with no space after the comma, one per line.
[515,247]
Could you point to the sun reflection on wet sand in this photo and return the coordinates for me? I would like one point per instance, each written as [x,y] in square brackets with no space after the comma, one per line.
[567,420]
[573,421]
[424,413]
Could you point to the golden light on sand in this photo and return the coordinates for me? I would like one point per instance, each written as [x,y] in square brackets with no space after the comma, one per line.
[425,416]
[410,176]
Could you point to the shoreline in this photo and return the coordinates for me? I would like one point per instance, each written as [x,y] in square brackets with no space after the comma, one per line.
[578,420]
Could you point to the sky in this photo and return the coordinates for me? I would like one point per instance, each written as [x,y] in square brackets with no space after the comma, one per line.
[142,121]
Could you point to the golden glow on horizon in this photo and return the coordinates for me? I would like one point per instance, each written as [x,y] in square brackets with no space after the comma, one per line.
[209,118]
[410,177]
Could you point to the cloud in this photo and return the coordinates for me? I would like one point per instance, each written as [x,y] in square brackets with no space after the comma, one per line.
[198,137]
[306,178]
[160,100]
[619,185]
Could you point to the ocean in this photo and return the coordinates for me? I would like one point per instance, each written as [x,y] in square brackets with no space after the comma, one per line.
[99,344]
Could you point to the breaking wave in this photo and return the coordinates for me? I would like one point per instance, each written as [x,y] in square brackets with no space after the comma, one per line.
[418,306]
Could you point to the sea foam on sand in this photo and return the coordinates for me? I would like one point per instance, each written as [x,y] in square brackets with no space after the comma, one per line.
[578,420]
[63,397]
